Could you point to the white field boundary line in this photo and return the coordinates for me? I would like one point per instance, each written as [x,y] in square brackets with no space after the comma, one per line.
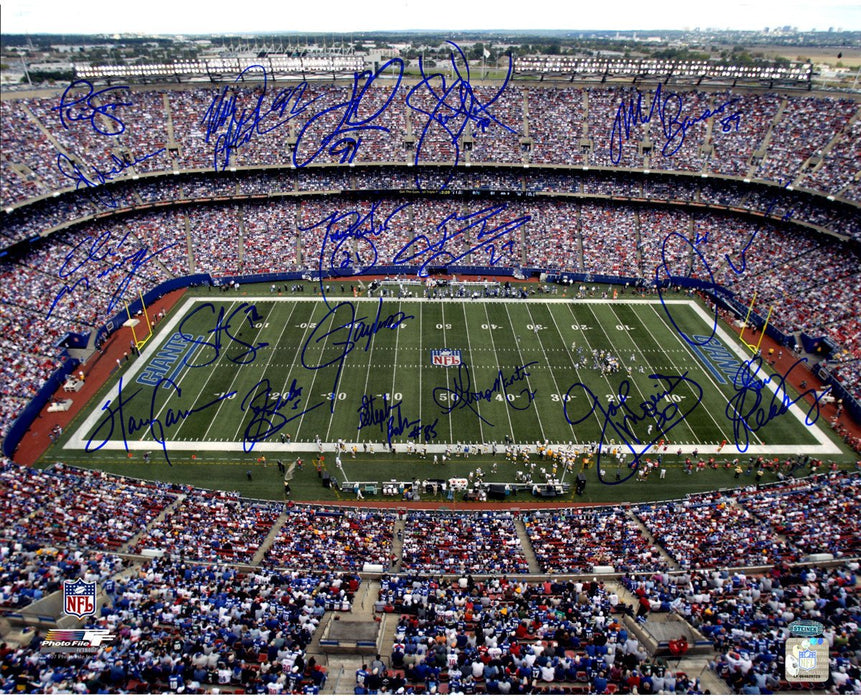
[77,442]
[824,444]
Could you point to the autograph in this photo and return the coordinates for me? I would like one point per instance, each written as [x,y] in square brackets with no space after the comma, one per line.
[211,351]
[669,110]
[239,125]
[390,419]
[485,233]
[102,249]
[344,335]
[266,407]
[664,276]
[98,176]
[82,107]
[453,107]
[742,263]
[747,408]
[128,425]
[345,139]
[462,395]
[349,228]
[623,417]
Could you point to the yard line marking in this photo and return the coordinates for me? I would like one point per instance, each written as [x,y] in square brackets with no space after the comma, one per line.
[528,383]
[237,373]
[696,362]
[318,372]
[367,376]
[634,381]
[496,355]
[445,345]
[552,374]
[469,345]
[272,354]
[576,371]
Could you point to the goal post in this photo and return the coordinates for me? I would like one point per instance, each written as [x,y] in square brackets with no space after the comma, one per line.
[133,323]
[754,348]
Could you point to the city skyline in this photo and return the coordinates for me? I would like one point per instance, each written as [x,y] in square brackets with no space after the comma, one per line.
[220,17]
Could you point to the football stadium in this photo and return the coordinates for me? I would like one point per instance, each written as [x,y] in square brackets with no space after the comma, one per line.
[332,373]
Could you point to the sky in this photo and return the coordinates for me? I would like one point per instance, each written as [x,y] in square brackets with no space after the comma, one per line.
[219,16]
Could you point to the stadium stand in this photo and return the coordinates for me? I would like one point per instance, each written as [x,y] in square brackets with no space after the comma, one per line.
[253,626]
[778,168]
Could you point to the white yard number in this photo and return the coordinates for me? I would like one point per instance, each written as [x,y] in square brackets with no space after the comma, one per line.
[312,324]
[555,397]
[262,324]
[443,326]
[615,398]
[332,396]
[623,327]
[489,327]
[580,327]
[534,327]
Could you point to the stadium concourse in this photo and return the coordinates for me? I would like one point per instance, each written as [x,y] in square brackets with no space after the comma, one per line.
[205,591]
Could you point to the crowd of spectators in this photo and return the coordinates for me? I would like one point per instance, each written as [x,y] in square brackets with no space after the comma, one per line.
[182,627]
[504,636]
[65,506]
[535,125]
[433,543]
[212,526]
[315,538]
[713,531]
[747,617]
[576,541]
[814,516]
[29,574]
[183,622]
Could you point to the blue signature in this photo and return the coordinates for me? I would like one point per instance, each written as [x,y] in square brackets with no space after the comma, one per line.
[742,266]
[266,407]
[80,107]
[99,176]
[102,249]
[115,416]
[669,110]
[241,124]
[623,417]
[345,335]
[454,107]
[665,270]
[348,229]
[211,351]
[747,410]
[485,232]
[390,419]
[462,395]
[345,139]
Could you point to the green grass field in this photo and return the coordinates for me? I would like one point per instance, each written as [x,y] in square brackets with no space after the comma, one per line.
[227,378]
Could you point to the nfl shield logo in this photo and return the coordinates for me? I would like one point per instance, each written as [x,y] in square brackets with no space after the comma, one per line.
[445,358]
[807,659]
[79,598]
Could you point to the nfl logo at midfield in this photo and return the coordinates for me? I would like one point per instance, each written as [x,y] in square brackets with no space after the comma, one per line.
[79,598]
[446,358]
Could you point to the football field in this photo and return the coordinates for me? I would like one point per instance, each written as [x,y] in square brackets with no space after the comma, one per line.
[271,375]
